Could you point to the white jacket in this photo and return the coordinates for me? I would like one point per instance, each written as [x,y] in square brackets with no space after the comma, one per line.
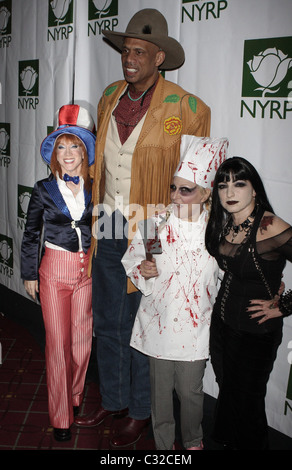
[174,316]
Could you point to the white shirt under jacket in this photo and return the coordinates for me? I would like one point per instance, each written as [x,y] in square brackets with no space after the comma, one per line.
[174,316]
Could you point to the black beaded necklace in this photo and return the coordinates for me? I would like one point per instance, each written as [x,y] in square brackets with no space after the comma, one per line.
[245,226]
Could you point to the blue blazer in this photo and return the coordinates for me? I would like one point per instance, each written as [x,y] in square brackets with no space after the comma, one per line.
[47,212]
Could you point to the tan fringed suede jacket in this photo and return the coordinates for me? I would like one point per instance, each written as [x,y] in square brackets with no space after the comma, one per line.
[172,112]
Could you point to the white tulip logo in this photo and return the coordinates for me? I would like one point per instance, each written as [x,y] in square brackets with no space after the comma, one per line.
[5,251]
[102,6]
[28,78]
[60,9]
[290,353]
[4,138]
[24,199]
[4,17]
[269,68]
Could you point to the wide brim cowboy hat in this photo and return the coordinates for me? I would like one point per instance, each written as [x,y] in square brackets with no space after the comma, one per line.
[71,119]
[150,25]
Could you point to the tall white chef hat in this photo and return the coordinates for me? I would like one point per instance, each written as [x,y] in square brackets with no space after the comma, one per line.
[200,158]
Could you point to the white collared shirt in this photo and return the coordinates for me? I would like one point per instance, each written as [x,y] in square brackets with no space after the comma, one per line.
[75,204]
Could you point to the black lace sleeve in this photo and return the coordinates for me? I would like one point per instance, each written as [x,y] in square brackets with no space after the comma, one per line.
[285,303]
[278,246]
[272,249]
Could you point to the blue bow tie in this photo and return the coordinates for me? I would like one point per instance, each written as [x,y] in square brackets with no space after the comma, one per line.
[75,179]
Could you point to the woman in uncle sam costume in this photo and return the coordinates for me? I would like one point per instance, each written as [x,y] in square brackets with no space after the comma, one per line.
[179,289]
[61,204]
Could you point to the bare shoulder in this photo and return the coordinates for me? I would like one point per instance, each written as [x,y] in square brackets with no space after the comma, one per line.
[271,225]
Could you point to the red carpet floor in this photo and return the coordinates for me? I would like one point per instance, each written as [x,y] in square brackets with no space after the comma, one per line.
[24,420]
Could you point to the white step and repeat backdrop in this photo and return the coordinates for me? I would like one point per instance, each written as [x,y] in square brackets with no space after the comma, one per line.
[238,60]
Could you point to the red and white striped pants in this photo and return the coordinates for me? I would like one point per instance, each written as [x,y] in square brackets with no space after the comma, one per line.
[65,295]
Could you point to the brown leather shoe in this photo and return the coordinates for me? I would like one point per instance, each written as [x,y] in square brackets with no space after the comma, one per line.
[97,417]
[130,433]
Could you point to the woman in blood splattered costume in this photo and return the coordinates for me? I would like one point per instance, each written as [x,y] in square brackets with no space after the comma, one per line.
[179,289]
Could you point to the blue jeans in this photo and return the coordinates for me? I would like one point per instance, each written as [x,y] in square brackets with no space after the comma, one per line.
[123,371]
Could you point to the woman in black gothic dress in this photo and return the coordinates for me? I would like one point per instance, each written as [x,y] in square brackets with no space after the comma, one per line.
[251,245]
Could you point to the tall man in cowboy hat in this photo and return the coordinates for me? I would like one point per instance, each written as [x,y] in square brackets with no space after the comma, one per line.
[140,122]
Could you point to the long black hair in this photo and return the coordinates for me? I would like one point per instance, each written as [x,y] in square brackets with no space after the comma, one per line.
[236,168]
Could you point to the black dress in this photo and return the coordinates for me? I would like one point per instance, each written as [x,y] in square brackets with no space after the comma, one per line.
[242,351]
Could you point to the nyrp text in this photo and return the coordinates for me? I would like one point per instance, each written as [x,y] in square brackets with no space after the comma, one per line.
[97,27]
[203,10]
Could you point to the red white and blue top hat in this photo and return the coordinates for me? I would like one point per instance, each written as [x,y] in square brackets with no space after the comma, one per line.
[71,119]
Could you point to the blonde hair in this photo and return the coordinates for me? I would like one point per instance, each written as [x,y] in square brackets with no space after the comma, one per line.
[208,202]
[56,167]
